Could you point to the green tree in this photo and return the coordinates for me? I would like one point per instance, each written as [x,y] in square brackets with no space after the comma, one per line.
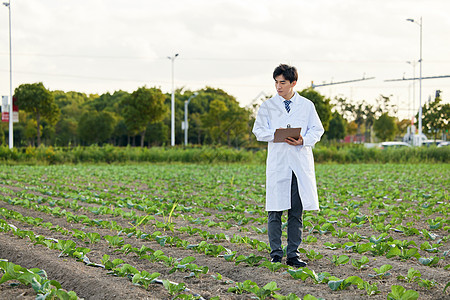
[321,103]
[72,105]
[370,116]
[67,131]
[337,128]
[225,121]
[30,131]
[215,119]
[36,99]
[435,117]
[143,107]
[96,127]
[157,133]
[385,127]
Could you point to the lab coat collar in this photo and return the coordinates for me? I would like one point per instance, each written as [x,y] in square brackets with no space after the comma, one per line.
[294,105]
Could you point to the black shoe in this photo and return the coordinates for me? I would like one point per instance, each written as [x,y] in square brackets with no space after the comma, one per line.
[276,259]
[295,262]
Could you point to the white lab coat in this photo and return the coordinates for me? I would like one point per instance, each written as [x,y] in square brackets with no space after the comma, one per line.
[282,158]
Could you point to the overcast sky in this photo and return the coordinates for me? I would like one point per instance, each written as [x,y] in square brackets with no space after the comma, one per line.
[98,46]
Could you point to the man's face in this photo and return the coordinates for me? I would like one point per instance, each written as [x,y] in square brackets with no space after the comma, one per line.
[284,88]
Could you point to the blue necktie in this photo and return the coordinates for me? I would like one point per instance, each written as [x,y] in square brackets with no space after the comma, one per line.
[286,105]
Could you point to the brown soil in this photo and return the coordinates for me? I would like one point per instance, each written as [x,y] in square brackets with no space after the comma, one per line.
[95,283]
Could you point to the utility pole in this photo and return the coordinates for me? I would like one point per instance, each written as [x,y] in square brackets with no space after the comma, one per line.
[11,134]
[172,131]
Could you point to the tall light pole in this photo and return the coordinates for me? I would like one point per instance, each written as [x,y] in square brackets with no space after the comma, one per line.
[420,79]
[172,131]
[413,64]
[186,103]
[11,143]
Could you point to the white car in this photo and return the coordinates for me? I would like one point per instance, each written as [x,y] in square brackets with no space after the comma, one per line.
[385,145]
[443,144]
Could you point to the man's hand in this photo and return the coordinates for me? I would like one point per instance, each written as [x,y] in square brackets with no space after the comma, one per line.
[294,142]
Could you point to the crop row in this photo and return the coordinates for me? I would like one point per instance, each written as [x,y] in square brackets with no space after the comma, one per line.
[37,279]
[118,268]
[210,249]
[394,215]
[377,246]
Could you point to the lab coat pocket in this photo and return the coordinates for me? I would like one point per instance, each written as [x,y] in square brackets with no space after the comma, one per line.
[307,159]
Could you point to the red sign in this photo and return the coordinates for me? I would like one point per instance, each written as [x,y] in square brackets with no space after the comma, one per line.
[5,116]
[15,107]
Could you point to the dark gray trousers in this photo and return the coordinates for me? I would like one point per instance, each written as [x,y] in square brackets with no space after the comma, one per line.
[294,228]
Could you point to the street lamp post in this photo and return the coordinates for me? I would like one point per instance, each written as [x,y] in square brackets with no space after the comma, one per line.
[413,64]
[11,143]
[186,103]
[420,79]
[172,131]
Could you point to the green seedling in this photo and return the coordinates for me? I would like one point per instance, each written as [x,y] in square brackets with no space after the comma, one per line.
[382,271]
[413,275]
[426,246]
[361,263]
[436,223]
[399,293]
[114,241]
[362,248]
[371,289]
[262,230]
[431,261]
[310,239]
[173,288]
[403,254]
[44,288]
[78,234]
[379,239]
[331,246]
[311,254]
[273,267]
[109,265]
[408,230]
[93,237]
[292,296]
[266,291]
[298,274]
[356,237]
[428,284]
[380,249]
[305,273]
[66,247]
[251,259]
[144,278]
[409,253]
[428,235]
[125,270]
[317,277]
[340,233]
[242,287]
[325,228]
[340,284]
[230,256]
[339,260]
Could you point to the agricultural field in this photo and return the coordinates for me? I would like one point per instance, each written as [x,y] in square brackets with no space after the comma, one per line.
[197,231]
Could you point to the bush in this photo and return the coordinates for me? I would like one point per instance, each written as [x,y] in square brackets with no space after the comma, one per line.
[209,154]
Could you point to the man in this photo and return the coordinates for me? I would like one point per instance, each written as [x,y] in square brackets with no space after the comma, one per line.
[290,177]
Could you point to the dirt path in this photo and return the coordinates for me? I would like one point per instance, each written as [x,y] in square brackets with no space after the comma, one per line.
[87,282]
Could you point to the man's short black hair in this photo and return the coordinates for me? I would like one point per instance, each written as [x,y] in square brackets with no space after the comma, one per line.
[288,72]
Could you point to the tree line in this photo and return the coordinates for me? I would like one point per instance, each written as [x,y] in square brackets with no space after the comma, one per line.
[142,118]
